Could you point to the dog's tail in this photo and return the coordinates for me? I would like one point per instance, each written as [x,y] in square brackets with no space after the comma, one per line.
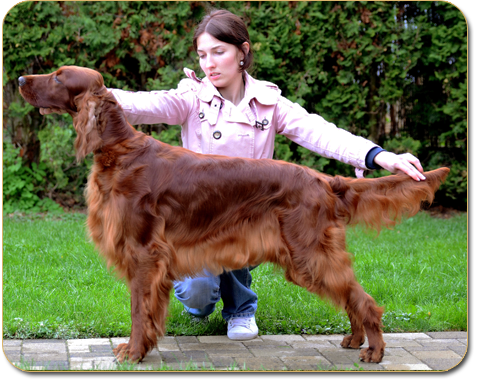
[384,201]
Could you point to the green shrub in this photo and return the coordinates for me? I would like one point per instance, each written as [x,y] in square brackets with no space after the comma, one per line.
[394,72]
[21,184]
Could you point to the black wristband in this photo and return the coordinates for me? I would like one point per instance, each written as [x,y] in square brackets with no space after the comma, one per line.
[370,158]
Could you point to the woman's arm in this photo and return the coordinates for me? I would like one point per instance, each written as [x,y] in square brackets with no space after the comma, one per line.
[168,107]
[316,134]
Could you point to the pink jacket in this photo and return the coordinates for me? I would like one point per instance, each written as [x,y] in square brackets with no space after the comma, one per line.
[213,125]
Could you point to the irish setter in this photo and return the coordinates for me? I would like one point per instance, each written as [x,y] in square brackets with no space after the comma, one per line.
[159,213]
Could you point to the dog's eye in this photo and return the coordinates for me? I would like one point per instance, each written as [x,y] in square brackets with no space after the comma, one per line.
[57,80]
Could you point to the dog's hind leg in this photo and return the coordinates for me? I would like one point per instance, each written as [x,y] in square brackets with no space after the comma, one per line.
[364,316]
[325,269]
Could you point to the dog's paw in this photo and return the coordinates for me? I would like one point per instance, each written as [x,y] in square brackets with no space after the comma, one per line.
[352,341]
[372,355]
[123,353]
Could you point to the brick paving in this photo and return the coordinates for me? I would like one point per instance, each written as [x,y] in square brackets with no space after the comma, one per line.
[438,351]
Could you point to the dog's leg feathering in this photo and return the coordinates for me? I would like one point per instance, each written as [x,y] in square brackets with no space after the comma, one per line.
[150,286]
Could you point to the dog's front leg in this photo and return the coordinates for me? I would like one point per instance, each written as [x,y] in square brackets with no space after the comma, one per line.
[150,287]
[135,350]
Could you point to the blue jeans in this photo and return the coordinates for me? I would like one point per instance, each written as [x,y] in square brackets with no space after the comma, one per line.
[199,295]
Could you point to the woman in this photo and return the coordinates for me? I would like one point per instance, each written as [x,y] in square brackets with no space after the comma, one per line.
[230,113]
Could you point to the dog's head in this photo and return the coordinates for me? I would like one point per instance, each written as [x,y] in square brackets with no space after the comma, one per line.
[63,89]
[74,90]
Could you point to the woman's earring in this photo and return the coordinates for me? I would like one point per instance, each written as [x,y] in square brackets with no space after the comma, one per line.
[241,63]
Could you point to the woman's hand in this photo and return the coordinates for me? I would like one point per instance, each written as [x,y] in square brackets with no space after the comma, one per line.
[401,163]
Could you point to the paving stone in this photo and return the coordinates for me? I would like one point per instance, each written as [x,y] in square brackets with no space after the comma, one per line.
[341,356]
[117,341]
[89,342]
[45,357]
[395,351]
[459,350]
[107,365]
[448,335]
[197,356]
[363,366]
[439,355]
[283,351]
[442,364]
[283,338]
[337,343]
[84,348]
[305,363]
[92,359]
[233,353]
[261,364]
[106,349]
[13,356]
[186,366]
[311,344]
[215,339]
[173,357]
[211,346]
[323,337]
[81,365]
[405,335]
[268,344]
[91,355]
[50,347]
[404,352]
[187,339]
[220,361]
[406,367]
[402,343]
[153,360]
[401,359]
[430,348]
[168,347]
[53,365]
[225,339]
[446,341]
[8,349]
[12,343]
[167,340]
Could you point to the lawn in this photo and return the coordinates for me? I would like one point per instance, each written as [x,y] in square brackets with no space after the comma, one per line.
[55,284]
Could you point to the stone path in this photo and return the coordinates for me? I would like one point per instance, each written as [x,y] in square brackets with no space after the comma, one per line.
[439,351]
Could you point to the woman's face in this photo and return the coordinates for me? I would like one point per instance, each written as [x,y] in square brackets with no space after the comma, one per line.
[219,61]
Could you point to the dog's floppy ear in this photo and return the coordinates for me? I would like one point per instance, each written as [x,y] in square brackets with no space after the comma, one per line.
[85,123]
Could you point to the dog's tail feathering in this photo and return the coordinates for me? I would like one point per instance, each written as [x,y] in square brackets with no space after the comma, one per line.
[384,201]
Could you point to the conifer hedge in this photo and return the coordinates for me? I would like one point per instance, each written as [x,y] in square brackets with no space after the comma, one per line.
[395,72]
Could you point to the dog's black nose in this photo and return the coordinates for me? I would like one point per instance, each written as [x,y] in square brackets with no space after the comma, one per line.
[21,81]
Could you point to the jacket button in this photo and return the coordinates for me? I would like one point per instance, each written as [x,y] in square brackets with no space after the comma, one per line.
[201,115]
[265,122]
[217,135]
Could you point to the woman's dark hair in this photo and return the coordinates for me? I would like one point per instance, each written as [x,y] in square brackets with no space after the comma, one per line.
[229,28]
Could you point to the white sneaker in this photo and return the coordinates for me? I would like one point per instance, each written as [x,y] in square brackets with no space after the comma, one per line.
[242,328]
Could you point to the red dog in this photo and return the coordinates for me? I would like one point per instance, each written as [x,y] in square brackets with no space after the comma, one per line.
[159,213]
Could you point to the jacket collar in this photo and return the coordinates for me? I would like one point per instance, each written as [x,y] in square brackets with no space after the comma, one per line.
[264,92]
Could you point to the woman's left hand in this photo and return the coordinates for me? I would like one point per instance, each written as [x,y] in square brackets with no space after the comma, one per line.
[401,163]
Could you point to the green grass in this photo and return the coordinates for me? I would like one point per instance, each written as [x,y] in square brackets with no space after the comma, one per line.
[55,285]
